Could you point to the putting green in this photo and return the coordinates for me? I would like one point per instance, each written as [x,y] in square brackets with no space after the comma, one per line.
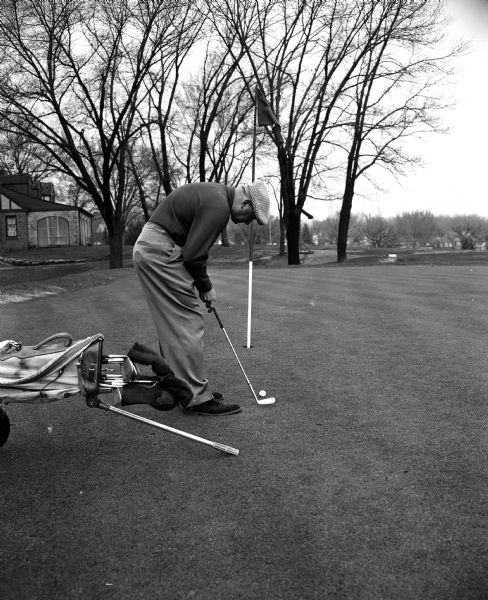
[364,480]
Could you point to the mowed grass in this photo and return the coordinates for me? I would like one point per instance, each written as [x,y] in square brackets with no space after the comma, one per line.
[366,480]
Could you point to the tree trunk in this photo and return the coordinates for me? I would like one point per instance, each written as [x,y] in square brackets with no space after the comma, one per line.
[225,238]
[293,239]
[291,219]
[282,237]
[344,219]
[116,241]
[202,156]
[168,188]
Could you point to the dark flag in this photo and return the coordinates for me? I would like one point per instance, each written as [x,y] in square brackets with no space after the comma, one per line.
[265,115]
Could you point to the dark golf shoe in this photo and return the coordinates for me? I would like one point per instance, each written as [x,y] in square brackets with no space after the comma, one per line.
[213,407]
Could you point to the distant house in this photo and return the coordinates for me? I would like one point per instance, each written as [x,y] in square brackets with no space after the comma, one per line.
[30,217]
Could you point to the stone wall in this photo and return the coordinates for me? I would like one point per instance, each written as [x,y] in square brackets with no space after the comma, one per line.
[79,227]
[86,237]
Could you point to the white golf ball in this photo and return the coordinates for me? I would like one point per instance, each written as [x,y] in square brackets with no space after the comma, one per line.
[262,393]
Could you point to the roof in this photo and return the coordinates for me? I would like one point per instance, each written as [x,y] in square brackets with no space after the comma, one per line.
[31,204]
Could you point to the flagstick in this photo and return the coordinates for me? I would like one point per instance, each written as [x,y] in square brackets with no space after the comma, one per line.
[249,304]
[251,232]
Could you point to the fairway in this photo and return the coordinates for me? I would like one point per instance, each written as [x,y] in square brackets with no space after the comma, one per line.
[366,479]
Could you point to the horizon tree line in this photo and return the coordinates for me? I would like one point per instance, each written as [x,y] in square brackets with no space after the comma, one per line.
[411,229]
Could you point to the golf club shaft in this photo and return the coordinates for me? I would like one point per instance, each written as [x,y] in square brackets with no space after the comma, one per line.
[211,308]
[195,438]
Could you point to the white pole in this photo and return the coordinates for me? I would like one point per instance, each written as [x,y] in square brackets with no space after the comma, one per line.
[249,305]
[251,232]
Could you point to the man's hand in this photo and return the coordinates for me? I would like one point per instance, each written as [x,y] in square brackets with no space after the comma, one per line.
[208,297]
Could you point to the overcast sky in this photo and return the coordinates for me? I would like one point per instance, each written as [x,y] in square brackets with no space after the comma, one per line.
[454,179]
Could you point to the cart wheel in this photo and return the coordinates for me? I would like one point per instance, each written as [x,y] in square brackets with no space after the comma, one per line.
[4,426]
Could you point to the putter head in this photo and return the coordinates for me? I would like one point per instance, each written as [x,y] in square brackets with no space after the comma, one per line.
[264,401]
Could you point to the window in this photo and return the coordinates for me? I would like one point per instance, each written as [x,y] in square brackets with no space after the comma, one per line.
[53,231]
[11,226]
[6,204]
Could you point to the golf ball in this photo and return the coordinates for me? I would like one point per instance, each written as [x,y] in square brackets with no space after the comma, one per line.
[262,393]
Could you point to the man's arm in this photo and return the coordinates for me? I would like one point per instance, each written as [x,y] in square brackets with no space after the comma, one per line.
[206,228]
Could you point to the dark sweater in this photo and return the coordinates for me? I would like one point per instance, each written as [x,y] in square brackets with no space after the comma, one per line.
[195,215]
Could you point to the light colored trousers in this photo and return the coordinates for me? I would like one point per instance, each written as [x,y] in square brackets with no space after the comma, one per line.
[174,305]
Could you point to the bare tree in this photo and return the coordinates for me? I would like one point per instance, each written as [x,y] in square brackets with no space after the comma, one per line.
[282,43]
[306,234]
[317,62]
[379,232]
[214,139]
[328,229]
[162,86]
[214,133]
[145,177]
[19,155]
[74,76]
[303,55]
[468,230]
[394,94]
[418,227]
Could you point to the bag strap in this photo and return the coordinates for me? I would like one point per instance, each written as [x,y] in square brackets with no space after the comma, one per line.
[53,343]
[56,336]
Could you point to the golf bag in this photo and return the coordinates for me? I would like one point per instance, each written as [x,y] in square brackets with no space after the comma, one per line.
[59,367]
